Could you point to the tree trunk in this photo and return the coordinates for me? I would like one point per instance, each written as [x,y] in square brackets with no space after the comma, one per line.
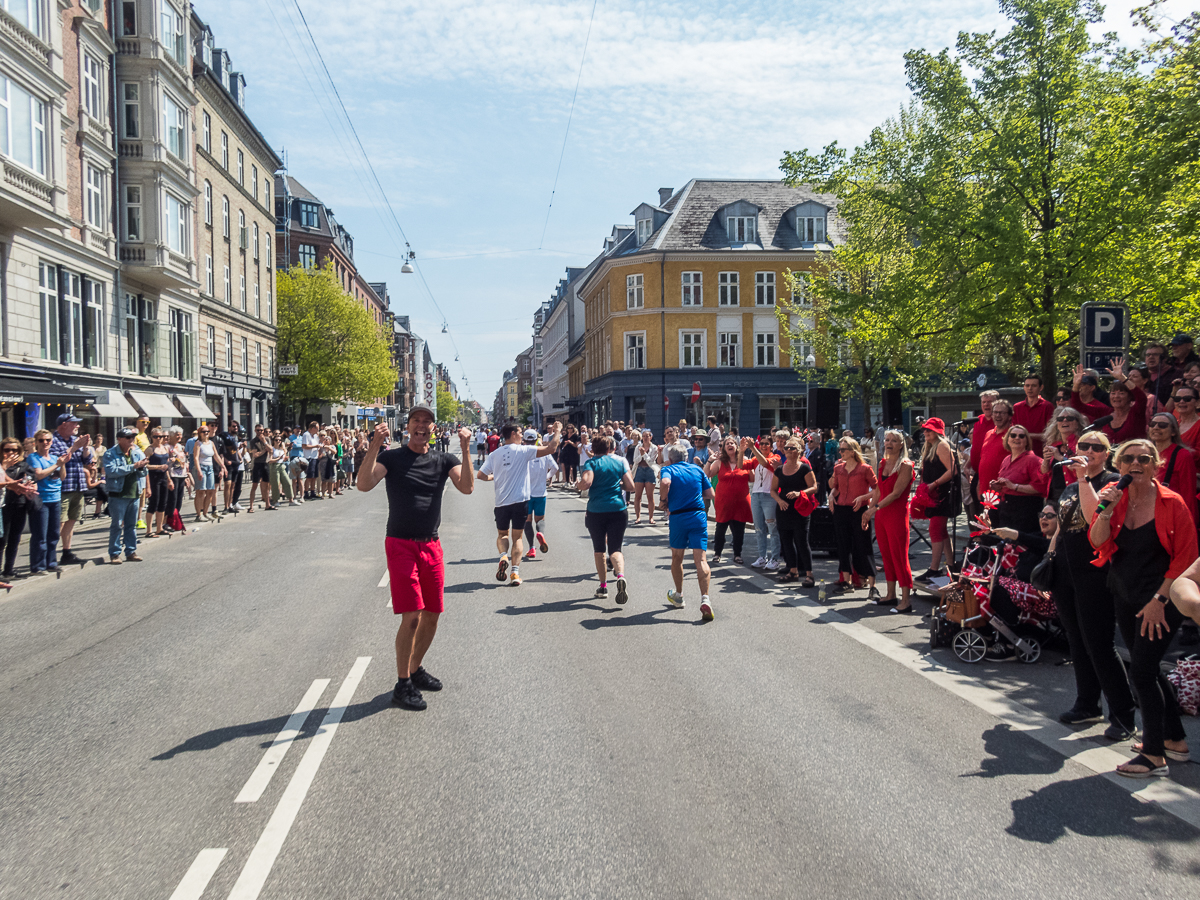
[1046,349]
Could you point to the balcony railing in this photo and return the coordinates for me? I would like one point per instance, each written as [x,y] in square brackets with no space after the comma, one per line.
[130,149]
[31,42]
[28,183]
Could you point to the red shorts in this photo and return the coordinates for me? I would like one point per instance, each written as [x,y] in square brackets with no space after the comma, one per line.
[937,528]
[416,574]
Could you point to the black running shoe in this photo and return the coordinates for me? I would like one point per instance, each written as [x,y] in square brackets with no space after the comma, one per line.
[406,696]
[1118,731]
[424,681]
[622,593]
[1077,716]
[68,556]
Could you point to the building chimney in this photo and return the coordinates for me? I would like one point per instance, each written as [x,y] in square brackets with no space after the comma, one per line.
[664,194]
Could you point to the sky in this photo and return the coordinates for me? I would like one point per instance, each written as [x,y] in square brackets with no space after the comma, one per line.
[462,107]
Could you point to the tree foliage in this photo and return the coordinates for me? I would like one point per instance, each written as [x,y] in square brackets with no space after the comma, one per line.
[341,352]
[447,406]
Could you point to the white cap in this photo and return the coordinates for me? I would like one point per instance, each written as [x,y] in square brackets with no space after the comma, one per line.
[530,434]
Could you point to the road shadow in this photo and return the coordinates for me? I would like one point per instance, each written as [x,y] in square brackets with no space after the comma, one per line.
[556,606]
[473,562]
[210,740]
[470,587]
[1094,807]
[1014,753]
[650,617]
[562,579]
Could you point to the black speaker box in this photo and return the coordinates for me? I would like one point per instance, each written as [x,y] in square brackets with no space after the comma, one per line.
[893,414]
[824,407]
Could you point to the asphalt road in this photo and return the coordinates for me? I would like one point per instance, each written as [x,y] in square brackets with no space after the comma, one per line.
[579,749]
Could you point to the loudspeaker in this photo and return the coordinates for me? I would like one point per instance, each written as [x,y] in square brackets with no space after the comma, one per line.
[824,407]
[893,414]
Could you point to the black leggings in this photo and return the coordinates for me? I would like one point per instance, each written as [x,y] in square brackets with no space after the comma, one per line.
[160,493]
[855,554]
[177,491]
[1160,710]
[739,532]
[14,526]
[607,530]
[793,540]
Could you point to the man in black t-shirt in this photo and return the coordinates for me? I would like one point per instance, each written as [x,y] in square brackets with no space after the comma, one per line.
[414,476]
[230,445]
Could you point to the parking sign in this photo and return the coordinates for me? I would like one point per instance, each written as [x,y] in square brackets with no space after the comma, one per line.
[1103,333]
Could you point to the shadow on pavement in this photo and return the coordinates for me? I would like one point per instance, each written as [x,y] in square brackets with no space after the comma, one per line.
[210,740]
[470,587]
[1013,753]
[473,562]
[647,618]
[562,579]
[556,606]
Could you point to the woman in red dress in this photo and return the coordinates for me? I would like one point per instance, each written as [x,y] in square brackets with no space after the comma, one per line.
[1183,405]
[889,508]
[1178,467]
[731,505]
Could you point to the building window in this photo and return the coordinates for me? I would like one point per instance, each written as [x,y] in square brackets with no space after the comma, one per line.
[727,289]
[229,350]
[209,276]
[730,346]
[27,12]
[143,346]
[242,292]
[241,168]
[644,230]
[764,288]
[764,349]
[95,322]
[258,358]
[173,35]
[176,216]
[692,289]
[133,212]
[691,349]
[94,190]
[308,215]
[212,346]
[635,350]
[271,363]
[48,303]
[224,151]
[22,127]
[634,294]
[128,18]
[255,241]
[206,134]
[245,356]
[308,256]
[208,203]
[270,318]
[225,216]
[741,229]
[810,229]
[182,346]
[174,127]
[91,86]
[228,287]
[131,120]
[257,302]
[269,257]
[242,241]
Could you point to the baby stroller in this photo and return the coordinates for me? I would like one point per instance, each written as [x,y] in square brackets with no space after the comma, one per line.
[969,618]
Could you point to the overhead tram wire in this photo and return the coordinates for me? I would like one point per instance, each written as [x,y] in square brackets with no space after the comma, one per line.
[374,176]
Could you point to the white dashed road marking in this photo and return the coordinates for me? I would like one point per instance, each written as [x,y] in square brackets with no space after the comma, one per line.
[200,873]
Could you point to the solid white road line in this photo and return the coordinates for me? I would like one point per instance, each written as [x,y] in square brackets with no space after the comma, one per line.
[267,766]
[386,579]
[200,873]
[254,874]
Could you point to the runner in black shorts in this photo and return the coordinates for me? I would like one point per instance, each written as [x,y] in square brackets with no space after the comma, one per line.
[606,474]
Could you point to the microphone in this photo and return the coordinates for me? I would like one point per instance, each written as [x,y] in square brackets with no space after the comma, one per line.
[1098,424]
[1121,486]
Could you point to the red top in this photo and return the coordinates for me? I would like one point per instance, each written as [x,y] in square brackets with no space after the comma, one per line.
[1025,469]
[1172,523]
[732,500]
[1183,476]
[1093,410]
[991,458]
[1191,437]
[1067,448]
[1135,423]
[852,485]
[978,433]
[1035,419]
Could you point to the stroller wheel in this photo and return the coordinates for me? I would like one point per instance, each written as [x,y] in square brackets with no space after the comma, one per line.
[1031,654]
[969,645]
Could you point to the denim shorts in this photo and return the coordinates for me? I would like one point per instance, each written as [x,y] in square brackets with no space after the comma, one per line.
[643,475]
[206,480]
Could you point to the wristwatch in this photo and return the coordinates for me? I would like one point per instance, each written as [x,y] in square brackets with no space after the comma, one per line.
[1161,599]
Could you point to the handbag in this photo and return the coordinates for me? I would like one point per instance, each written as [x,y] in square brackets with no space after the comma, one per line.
[1185,678]
[1042,576]
[922,501]
[805,504]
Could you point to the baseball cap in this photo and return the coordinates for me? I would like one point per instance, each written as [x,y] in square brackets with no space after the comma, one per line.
[1181,338]
[68,417]
[422,407]
[128,433]
[530,434]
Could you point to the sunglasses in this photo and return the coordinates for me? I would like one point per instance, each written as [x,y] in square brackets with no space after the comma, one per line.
[1160,424]
[1047,515]
[1184,399]
[1019,437]
[1129,459]
[1088,445]
[44,440]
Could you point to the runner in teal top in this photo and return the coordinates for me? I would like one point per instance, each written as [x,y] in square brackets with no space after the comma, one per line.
[605,494]
[604,476]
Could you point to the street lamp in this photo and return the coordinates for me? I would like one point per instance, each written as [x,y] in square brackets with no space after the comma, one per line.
[810,361]
[409,256]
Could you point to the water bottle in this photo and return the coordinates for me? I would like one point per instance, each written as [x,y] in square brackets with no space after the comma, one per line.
[821,595]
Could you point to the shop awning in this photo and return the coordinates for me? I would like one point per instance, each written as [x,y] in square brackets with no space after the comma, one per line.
[113,405]
[38,390]
[156,406]
[195,406]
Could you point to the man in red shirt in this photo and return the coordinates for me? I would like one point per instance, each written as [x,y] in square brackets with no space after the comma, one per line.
[992,455]
[493,441]
[1034,411]
[1083,394]
[983,425]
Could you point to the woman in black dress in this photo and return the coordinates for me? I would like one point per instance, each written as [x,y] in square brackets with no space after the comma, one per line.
[158,459]
[790,480]
[568,456]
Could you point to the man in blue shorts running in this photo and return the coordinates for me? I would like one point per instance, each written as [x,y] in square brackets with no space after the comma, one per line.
[683,490]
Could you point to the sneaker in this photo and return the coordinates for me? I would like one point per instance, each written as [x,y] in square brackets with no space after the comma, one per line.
[675,598]
[532,554]
[422,680]
[406,696]
[608,562]
[706,610]
[772,565]
[515,580]
[502,569]
[622,594]
[141,523]
[601,593]
[542,545]
[112,561]
[237,507]
[1118,732]
[68,556]
[41,572]
[759,563]
[132,557]
[1077,716]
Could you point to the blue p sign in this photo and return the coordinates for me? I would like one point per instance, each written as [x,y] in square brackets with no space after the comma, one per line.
[1104,327]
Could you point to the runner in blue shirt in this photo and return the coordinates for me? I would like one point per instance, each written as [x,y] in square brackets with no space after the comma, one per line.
[606,475]
[684,490]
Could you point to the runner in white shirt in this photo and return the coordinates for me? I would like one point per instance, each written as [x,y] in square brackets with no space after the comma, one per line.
[481,437]
[508,466]
[541,470]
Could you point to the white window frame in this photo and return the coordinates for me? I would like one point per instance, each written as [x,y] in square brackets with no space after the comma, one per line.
[766,350]
[245,355]
[94,190]
[635,291]
[229,350]
[92,73]
[177,232]
[96,313]
[764,288]
[206,133]
[810,229]
[173,30]
[29,14]
[211,336]
[728,289]
[225,216]
[241,158]
[225,151]
[635,350]
[210,277]
[742,229]
[691,288]
[645,228]
[242,291]
[131,110]
[307,207]
[693,360]
[729,349]
[257,302]
[258,354]
[133,213]
[48,309]
[255,241]
[208,203]
[175,127]
[13,96]
[228,287]
[254,181]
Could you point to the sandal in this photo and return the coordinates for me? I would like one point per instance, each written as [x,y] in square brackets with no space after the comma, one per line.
[739,560]
[873,594]
[1176,755]
[808,582]
[1152,770]
[788,578]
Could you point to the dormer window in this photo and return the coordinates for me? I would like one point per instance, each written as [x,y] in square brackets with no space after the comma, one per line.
[810,222]
[741,229]
[644,229]
[308,215]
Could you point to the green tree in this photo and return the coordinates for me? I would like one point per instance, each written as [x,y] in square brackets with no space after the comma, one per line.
[341,352]
[1011,173]
[525,413]
[447,406]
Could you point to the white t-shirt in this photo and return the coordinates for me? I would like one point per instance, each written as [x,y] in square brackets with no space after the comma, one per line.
[309,444]
[509,465]
[540,469]
[481,437]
